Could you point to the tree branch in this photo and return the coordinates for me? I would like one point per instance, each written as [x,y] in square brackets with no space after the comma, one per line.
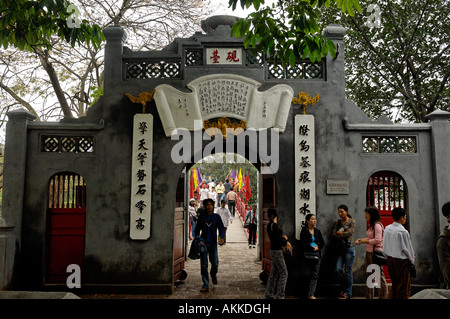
[20,100]
[44,58]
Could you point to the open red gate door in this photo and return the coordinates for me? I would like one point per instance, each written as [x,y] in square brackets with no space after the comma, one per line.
[386,190]
[66,225]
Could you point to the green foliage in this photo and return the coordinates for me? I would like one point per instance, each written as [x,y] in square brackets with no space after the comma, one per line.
[30,24]
[401,67]
[97,92]
[288,31]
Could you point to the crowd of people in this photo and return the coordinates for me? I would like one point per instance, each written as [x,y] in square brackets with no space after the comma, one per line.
[390,246]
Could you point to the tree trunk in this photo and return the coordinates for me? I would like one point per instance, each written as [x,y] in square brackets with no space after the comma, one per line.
[43,56]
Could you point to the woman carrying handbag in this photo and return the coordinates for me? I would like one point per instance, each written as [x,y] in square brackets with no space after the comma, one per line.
[312,242]
[374,245]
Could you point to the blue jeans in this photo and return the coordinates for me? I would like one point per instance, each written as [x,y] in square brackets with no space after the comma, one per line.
[344,273]
[213,259]
[219,199]
[193,224]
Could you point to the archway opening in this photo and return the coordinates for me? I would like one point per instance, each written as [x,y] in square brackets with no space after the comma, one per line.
[387,190]
[254,186]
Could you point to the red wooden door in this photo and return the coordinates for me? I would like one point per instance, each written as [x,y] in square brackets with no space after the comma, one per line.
[66,225]
[386,190]
[179,246]
[268,189]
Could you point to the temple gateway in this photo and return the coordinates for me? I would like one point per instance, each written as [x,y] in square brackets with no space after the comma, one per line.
[106,193]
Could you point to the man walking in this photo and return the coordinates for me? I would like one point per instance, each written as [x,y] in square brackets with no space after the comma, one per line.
[227,187]
[225,214]
[208,223]
[220,189]
[400,255]
[231,198]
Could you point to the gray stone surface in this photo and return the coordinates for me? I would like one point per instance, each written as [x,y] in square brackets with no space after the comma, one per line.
[37,295]
[432,294]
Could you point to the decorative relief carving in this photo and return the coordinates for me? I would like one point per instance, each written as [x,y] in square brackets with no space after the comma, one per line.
[223,95]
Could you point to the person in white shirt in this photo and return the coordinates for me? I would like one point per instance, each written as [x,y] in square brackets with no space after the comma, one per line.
[211,184]
[203,194]
[226,218]
[212,194]
[400,255]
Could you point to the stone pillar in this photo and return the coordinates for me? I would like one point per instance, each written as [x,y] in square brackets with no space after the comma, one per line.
[7,254]
[115,37]
[14,169]
[13,192]
[440,146]
[336,66]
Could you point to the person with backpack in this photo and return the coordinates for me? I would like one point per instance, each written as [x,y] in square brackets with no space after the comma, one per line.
[251,219]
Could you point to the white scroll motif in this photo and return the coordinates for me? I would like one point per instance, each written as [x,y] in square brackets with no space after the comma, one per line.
[219,95]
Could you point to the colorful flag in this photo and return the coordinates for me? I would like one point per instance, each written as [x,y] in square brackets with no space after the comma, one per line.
[194,178]
[191,184]
[240,179]
[243,189]
[248,192]
[199,177]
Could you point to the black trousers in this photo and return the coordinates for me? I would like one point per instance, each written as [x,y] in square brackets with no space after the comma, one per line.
[252,234]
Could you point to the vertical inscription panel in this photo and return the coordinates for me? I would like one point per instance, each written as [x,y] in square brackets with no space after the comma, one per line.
[141,177]
[305,170]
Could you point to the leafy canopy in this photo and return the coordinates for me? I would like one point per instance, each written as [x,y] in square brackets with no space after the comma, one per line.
[288,30]
[27,25]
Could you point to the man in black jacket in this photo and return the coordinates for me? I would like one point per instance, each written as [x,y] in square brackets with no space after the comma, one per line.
[208,223]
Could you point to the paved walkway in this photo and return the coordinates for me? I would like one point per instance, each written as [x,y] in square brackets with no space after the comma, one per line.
[238,276]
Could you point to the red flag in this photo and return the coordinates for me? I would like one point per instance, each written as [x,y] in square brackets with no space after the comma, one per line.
[247,189]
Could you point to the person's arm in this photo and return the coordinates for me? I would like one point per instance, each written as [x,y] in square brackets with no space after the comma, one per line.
[378,235]
[229,215]
[349,232]
[407,246]
[335,229]
[321,241]
[305,240]
[221,230]
[198,227]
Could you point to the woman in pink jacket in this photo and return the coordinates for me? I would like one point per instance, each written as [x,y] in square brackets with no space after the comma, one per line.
[374,239]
